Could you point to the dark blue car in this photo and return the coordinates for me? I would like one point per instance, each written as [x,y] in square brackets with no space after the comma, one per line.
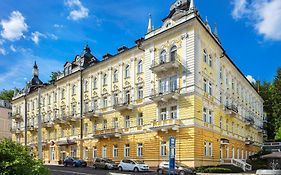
[75,162]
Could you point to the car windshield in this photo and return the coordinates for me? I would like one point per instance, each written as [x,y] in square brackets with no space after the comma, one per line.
[108,161]
[139,161]
[181,165]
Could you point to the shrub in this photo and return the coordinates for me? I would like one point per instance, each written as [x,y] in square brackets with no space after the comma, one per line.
[15,159]
[219,169]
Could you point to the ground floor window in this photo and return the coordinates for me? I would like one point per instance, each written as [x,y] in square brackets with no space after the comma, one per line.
[115,151]
[85,153]
[163,146]
[104,152]
[139,150]
[73,151]
[52,153]
[95,152]
[208,149]
[127,150]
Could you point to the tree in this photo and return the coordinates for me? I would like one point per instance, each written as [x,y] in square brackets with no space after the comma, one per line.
[278,135]
[277,99]
[15,159]
[7,95]
[54,76]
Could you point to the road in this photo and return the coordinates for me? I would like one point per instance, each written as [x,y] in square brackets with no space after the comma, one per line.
[59,170]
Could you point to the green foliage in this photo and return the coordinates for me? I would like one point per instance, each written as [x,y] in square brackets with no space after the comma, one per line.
[277,99]
[15,159]
[54,76]
[7,95]
[278,134]
[219,169]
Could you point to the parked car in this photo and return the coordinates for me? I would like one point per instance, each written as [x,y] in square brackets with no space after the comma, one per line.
[180,169]
[132,165]
[104,163]
[75,162]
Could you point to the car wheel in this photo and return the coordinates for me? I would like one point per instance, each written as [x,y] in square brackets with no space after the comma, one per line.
[120,168]
[160,171]
[94,167]
[65,164]
[182,173]
[136,169]
[74,165]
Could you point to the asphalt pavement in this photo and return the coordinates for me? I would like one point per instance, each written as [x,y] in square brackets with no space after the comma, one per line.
[60,170]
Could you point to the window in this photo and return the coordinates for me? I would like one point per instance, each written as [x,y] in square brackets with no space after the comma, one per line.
[140,66]
[73,151]
[205,86]
[62,93]
[173,53]
[104,152]
[94,127]
[55,99]
[163,151]
[205,114]
[73,110]
[140,92]
[115,76]
[85,128]
[220,98]
[163,114]
[104,79]
[86,86]
[210,61]
[95,152]
[52,153]
[162,86]
[173,83]
[221,74]
[174,112]
[127,121]
[73,90]
[140,119]
[205,56]
[208,149]
[104,102]
[115,151]
[127,97]
[115,123]
[232,152]
[62,132]
[127,71]
[163,56]
[95,83]
[104,124]
[139,150]
[127,150]
[220,122]
[115,99]
[211,116]
[211,89]
[85,153]
[73,131]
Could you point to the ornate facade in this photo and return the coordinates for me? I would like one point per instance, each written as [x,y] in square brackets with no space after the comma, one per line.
[177,81]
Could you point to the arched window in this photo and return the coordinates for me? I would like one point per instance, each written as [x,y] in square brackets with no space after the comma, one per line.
[140,66]
[163,56]
[115,76]
[105,79]
[127,71]
[173,53]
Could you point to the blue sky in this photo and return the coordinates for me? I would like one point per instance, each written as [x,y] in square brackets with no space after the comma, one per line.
[52,32]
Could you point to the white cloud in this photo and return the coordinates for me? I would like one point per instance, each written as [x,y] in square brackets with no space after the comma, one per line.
[14,27]
[2,51]
[265,16]
[12,47]
[58,26]
[240,8]
[251,79]
[78,11]
[35,37]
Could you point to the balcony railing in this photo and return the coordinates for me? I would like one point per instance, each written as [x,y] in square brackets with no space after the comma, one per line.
[123,105]
[61,120]
[107,133]
[231,109]
[165,125]
[163,66]
[92,113]
[17,116]
[165,96]
[249,121]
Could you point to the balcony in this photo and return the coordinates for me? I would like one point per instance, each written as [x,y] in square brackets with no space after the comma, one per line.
[249,121]
[66,141]
[122,106]
[48,124]
[165,96]
[32,128]
[165,125]
[107,133]
[224,141]
[162,66]
[231,110]
[249,141]
[17,116]
[91,113]
[72,118]
[60,120]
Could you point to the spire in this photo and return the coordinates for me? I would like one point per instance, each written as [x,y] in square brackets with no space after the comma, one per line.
[216,31]
[149,28]
[35,71]
[192,5]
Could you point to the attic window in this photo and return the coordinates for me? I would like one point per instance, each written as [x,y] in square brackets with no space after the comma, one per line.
[122,49]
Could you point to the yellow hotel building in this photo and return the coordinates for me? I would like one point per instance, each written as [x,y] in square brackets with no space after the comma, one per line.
[176,81]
